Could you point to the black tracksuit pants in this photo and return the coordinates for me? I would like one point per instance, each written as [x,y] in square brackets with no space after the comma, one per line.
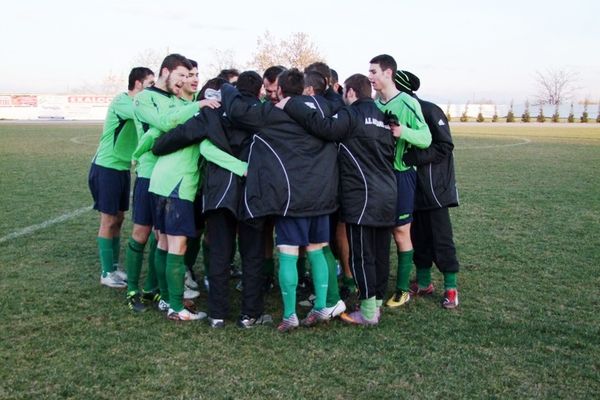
[431,234]
[369,259]
[222,226]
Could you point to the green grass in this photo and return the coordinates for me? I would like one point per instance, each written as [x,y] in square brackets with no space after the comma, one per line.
[527,236]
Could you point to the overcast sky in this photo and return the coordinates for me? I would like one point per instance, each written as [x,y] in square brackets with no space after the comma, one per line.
[461,50]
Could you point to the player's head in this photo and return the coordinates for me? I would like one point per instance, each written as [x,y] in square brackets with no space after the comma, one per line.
[210,87]
[249,83]
[270,82]
[381,71]
[230,75]
[174,71]
[314,83]
[290,83]
[334,83]
[321,68]
[140,78]
[191,84]
[356,87]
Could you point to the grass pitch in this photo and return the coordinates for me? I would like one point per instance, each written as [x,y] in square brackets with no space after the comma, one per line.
[527,237]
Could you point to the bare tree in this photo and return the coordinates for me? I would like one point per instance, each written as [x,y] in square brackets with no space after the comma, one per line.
[222,59]
[555,86]
[150,58]
[296,51]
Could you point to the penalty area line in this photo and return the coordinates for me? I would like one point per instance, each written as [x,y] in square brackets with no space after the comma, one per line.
[34,228]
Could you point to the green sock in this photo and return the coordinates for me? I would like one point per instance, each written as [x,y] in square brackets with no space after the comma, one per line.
[160,266]
[288,281]
[116,245]
[175,280]
[379,303]
[320,275]
[205,256]
[301,267]
[134,256]
[450,280]
[368,307]
[404,266]
[333,288]
[105,249]
[269,267]
[191,254]
[424,277]
[151,283]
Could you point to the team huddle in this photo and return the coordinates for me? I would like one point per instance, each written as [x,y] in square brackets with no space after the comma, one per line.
[290,159]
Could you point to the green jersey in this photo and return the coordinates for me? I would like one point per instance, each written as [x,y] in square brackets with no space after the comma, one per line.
[415,131]
[156,112]
[119,136]
[177,174]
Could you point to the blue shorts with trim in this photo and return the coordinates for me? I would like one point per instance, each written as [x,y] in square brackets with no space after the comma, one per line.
[298,231]
[406,181]
[110,189]
[142,202]
[173,216]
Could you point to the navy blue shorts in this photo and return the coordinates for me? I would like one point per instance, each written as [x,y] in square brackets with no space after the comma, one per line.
[173,217]
[142,202]
[406,182]
[293,231]
[110,189]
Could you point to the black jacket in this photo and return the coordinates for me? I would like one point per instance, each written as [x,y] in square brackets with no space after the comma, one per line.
[436,185]
[290,172]
[220,188]
[368,188]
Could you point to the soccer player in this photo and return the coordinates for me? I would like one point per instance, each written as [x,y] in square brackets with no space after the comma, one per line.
[157,110]
[109,177]
[436,191]
[221,192]
[291,175]
[414,133]
[367,187]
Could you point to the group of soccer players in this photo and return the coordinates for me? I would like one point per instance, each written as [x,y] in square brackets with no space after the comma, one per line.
[323,168]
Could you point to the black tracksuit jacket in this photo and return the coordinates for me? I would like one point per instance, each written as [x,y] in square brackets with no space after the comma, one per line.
[368,188]
[290,172]
[436,185]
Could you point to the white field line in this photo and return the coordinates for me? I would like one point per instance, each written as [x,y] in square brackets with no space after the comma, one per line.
[521,142]
[34,228]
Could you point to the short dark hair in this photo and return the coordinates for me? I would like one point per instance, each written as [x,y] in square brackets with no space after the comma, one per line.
[249,83]
[273,72]
[214,83]
[291,82]
[172,61]
[227,74]
[360,84]
[321,68]
[316,80]
[193,63]
[138,74]
[385,61]
[334,76]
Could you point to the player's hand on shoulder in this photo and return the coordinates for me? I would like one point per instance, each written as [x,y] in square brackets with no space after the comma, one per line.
[209,103]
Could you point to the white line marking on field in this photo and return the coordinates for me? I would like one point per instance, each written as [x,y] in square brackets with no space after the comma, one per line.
[78,140]
[34,228]
[493,146]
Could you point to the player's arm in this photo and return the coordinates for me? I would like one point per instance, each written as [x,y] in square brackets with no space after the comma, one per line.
[414,129]
[146,142]
[333,128]
[250,117]
[147,112]
[223,159]
[441,145]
